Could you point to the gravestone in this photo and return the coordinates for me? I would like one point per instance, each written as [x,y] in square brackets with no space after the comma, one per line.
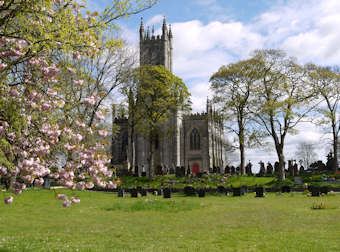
[248,169]
[221,189]
[136,171]
[315,190]
[143,192]
[134,193]
[166,193]
[237,191]
[285,189]
[120,193]
[227,170]
[201,192]
[189,191]
[270,169]
[324,190]
[259,191]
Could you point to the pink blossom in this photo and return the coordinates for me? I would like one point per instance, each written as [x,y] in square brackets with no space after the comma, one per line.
[99,116]
[111,185]
[8,200]
[77,137]
[75,201]
[2,66]
[71,70]
[69,147]
[51,92]
[80,124]
[76,55]
[1,3]
[89,185]
[17,191]
[67,203]
[78,82]
[3,171]
[102,133]
[46,107]
[39,181]
[62,196]
[11,136]
[80,185]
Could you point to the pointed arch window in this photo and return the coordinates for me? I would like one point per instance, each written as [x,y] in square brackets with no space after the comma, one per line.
[195,140]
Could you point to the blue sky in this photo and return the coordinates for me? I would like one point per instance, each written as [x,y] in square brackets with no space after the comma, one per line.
[211,33]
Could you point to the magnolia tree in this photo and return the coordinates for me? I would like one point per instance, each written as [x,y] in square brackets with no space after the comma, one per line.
[32,138]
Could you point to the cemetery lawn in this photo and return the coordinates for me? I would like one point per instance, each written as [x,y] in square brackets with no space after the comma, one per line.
[102,222]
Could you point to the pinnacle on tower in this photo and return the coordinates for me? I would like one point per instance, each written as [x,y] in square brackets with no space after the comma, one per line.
[164,30]
[141,29]
[170,32]
[153,32]
[148,33]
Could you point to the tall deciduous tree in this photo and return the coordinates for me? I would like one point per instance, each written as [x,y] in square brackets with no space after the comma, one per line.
[30,106]
[326,85]
[233,91]
[306,152]
[160,93]
[282,98]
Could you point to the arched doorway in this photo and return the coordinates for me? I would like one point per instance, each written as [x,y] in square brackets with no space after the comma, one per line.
[195,168]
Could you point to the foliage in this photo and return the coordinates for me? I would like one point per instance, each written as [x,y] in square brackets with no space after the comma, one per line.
[32,136]
[233,91]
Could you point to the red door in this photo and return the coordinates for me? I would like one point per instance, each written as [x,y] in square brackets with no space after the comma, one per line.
[195,168]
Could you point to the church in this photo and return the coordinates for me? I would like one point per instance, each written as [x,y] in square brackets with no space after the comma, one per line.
[198,142]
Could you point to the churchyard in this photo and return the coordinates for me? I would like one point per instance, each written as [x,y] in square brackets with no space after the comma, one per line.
[37,221]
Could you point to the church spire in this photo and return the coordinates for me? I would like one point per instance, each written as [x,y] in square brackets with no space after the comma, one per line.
[164,30]
[141,29]
[148,33]
[170,32]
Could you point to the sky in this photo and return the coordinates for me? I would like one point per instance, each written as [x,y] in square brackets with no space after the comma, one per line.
[211,33]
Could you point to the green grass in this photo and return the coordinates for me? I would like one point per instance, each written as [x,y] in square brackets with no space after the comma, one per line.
[102,222]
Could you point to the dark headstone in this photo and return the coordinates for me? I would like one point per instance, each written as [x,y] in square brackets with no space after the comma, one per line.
[159,192]
[136,171]
[315,190]
[244,189]
[237,191]
[324,189]
[134,193]
[248,169]
[285,189]
[270,169]
[221,189]
[227,170]
[201,192]
[189,191]
[143,174]
[143,192]
[259,191]
[166,193]
[120,193]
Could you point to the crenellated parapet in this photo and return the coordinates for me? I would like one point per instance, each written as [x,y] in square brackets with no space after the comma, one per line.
[196,116]
[156,49]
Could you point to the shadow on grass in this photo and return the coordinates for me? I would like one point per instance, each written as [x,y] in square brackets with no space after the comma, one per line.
[156,205]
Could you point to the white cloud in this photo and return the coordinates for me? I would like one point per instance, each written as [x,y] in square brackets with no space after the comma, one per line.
[155,20]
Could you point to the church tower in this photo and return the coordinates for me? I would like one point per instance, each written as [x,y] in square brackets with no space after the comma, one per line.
[156,50]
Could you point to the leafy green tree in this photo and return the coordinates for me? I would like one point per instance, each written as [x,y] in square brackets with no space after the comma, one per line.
[325,83]
[233,86]
[31,33]
[282,98]
[159,93]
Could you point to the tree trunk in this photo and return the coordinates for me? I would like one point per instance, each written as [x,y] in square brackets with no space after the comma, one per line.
[133,150]
[242,156]
[335,150]
[151,159]
[282,173]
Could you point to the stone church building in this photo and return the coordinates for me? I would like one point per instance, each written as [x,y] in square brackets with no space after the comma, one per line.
[198,141]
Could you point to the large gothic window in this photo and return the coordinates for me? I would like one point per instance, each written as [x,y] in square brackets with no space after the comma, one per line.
[195,140]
